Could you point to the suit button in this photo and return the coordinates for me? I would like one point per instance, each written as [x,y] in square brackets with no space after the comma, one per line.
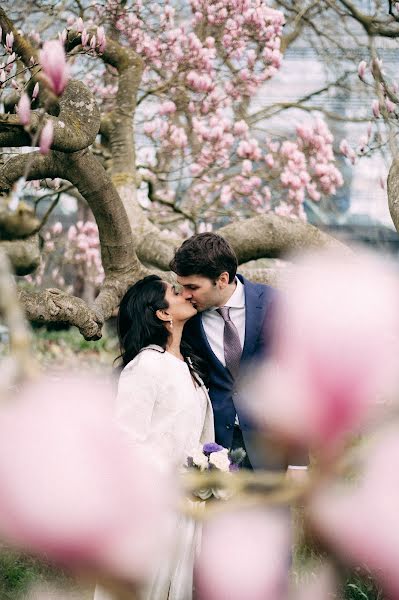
[228,426]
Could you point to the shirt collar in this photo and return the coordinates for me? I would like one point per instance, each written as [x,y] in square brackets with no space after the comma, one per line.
[237,298]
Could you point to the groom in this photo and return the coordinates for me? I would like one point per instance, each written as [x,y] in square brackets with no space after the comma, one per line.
[229,332]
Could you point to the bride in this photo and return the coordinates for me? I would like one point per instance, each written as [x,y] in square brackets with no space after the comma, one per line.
[163,404]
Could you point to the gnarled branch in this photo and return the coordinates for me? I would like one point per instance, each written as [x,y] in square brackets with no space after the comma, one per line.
[272,236]
[75,128]
[120,263]
[24,255]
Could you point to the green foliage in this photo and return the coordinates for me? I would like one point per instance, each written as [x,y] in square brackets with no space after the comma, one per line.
[19,571]
[361,586]
[357,584]
[75,341]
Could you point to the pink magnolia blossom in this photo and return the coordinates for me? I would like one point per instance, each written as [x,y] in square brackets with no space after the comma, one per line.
[334,349]
[35,92]
[9,41]
[376,108]
[62,36]
[79,24]
[24,111]
[84,37]
[264,542]
[166,108]
[73,487]
[101,39]
[46,137]
[57,228]
[360,520]
[10,62]
[347,150]
[390,106]
[361,70]
[53,61]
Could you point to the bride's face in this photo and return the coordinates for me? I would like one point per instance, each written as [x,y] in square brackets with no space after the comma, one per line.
[179,308]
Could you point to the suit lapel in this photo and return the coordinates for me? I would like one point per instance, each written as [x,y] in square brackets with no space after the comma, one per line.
[197,332]
[254,309]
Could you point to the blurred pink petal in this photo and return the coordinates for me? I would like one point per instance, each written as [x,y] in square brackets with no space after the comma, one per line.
[49,592]
[72,487]
[319,585]
[361,521]
[335,349]
[46,137]
[53,61]
[244,554]
[24,109]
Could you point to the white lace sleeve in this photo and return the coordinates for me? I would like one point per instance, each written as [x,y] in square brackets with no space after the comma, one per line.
[137,395]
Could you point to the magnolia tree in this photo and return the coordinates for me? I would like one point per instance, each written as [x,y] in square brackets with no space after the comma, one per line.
[155,98]
[149,113]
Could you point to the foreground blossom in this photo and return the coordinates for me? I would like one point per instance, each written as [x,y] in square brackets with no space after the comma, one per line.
[335,348]
[360,520]
[71,486]
[53,61]
[244,554]
[24,111]
[46,137]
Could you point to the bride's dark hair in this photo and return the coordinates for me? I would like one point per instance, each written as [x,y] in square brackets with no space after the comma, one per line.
[138,325]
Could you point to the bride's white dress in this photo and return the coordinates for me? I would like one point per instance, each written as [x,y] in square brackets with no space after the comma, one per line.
[158,405]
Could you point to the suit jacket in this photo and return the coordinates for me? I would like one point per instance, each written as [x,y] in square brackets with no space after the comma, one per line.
[223,388]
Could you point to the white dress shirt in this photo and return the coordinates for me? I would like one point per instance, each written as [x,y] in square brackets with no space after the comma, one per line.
[214,324]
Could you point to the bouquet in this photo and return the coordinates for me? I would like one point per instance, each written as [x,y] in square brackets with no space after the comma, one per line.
[212,456]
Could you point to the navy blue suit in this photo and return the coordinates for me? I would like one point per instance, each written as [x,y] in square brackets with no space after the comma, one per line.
[222,388]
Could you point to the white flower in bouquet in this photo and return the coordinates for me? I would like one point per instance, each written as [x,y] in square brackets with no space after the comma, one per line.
[220,460]
[199,458]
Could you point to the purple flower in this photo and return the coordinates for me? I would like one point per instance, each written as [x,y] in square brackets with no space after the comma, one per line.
[211,447]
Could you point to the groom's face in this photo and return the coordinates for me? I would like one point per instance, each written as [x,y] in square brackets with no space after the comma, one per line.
[202,292]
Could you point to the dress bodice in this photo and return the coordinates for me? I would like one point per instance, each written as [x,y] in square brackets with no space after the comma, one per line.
[159,405]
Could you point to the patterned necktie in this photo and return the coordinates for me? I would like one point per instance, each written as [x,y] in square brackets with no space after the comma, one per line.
[231,342]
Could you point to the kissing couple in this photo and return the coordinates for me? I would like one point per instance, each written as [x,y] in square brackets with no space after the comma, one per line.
[184,348]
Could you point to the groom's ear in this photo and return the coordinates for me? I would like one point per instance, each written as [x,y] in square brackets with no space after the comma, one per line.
[223,279]
[162,315]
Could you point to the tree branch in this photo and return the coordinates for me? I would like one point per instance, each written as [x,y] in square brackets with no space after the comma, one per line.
[119,260]
[393,192]
[272,236]
[75,128]
[24,255]
[19,364]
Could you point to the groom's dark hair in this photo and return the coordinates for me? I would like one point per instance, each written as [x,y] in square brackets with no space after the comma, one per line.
[205,254]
